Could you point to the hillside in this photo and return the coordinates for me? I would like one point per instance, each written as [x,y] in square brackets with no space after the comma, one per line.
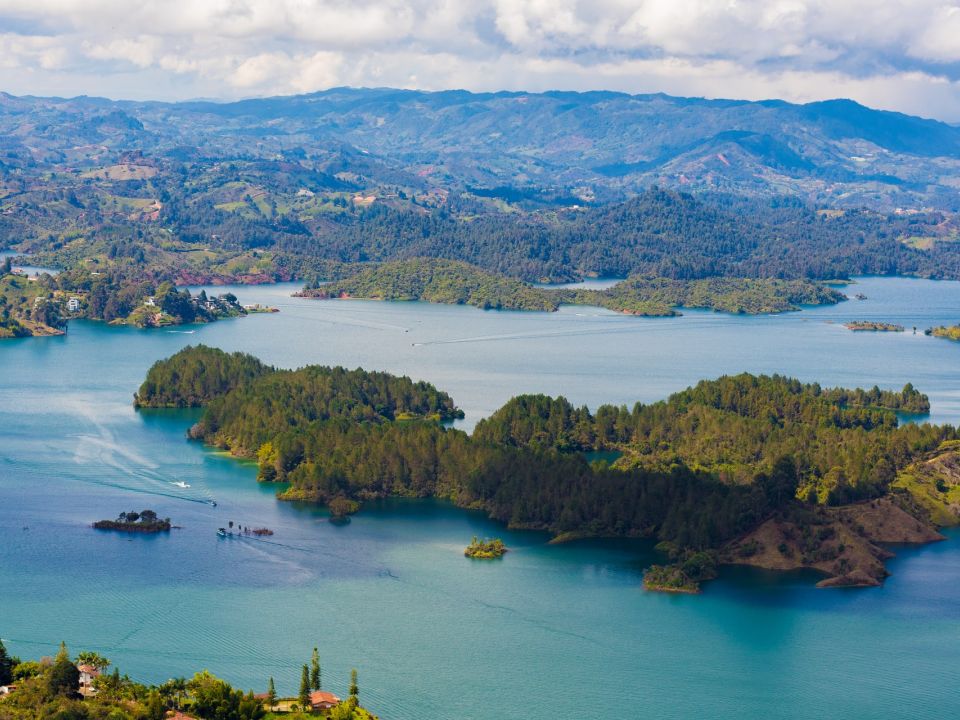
[538,146]
[550,187]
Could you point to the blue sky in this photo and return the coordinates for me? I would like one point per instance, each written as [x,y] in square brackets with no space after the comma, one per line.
[896,54]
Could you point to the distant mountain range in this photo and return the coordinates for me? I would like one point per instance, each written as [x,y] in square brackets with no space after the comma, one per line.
[535,149]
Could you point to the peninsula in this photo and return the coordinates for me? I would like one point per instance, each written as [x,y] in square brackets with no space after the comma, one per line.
[744,468]
[457,283]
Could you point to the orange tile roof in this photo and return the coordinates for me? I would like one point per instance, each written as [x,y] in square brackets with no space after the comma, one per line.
[322,696]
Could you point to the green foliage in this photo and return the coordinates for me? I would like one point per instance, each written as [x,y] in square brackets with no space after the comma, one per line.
[451,282]
[154,708]
[439,281]
[341,507]
[951,332]
[658,296]
[95,659]
[248,404]
[315,671]
[196,375]
[707,464]
[7,664]
[485,549]
[668,578]
[304,696]
[539,421]
[271,693]
[214,699]
[26,669]
[737,427]
[64,677]
[873,326]
[145,521]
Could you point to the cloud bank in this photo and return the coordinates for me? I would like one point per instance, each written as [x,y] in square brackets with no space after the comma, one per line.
[897,54]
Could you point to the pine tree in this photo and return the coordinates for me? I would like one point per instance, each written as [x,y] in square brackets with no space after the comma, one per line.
[6,666]
[315,673]
[271,694]
[305,689]
[354,689]
[64,676]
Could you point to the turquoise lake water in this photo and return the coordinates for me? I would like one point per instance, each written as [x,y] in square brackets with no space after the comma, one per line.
[547,632]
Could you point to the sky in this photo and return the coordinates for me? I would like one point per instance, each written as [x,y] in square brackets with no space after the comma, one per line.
[893,54]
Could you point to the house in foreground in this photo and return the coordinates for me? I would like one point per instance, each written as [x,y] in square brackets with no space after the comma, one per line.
[323,700]
[88,673]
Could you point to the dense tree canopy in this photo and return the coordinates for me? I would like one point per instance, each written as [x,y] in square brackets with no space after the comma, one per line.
[696,469]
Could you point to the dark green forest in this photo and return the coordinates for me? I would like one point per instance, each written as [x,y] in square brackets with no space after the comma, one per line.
[698,469]
[457,283]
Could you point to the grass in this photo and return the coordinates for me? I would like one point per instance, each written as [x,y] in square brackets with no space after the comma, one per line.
[933,486]
[122,172]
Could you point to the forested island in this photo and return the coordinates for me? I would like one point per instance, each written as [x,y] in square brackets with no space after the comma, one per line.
[457,283]
[873,326]
[485,549]
[762,470]
[145,521]
[951,332]
[83,688]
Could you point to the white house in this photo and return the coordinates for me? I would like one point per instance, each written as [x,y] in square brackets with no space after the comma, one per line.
[73,304]
[88,674]
[150,301]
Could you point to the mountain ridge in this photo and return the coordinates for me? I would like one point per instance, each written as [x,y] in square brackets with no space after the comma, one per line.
[599,146]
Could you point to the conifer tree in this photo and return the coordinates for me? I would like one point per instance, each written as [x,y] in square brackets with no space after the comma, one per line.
[64,676]
[315,672]
[271,694]
[6,666]
[354,689]
[304,698]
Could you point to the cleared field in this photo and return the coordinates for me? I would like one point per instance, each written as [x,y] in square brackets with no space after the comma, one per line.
[122,172]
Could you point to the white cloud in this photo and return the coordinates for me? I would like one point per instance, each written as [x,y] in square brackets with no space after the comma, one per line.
[900,54]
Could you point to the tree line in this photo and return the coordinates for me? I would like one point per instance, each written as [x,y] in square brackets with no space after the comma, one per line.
[697,469]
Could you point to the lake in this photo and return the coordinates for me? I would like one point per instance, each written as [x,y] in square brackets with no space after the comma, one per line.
[546,632]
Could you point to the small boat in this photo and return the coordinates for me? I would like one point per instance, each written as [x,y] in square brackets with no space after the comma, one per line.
[860,296]
[181,484]
[221,532]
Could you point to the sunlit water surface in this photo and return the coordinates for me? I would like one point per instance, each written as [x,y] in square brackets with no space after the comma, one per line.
[547,632]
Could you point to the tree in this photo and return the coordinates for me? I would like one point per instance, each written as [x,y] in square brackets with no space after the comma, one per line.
[315,672]
[214,699]
[154,709]
[6,663]
[354,689]
[304,697]
[7,267]
[174,689]
[93,659]
[271,694]
[64,676]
